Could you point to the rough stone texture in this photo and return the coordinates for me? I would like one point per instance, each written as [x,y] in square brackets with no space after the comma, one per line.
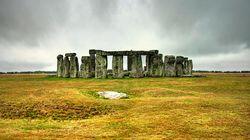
[85,67]
[95,65]
[117,66]
[154,51]
[190,67]
[129,61]
[136,66]
[156,65]
[185,66]
[100,65]
[66,67]
[92,62]
[169,66]
[60,65]
[148,63]
[112,95]
[179,66]
[70,54]
[74,66]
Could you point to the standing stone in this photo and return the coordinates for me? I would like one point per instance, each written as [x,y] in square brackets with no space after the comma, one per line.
[66,67]
[85,67]
[129,61]
[185,66]
[148,63]
[190,67]
[156,65]
[136,66]
[169,66]
[60,65]
[100,65]
[117,66]
[74,65]
[179,66]
[92,64]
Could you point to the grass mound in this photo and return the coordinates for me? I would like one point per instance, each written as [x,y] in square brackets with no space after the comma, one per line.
[62,111]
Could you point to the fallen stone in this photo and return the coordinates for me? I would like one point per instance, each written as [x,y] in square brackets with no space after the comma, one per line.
[112,95]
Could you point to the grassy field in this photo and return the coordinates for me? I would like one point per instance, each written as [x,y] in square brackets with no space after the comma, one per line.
[40,106]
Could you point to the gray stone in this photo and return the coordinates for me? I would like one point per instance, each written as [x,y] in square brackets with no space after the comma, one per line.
[74,67]
[179,66]
[169,66]
[100,65]
[92,64]
[70,54]
[185,66]
[85,67]
[190,67]
[95,65]
[117,66]
[131,52]
[129,62]
[112,95]
[66,67]
[148,64]
[60,65]
[156,65]
[136,66]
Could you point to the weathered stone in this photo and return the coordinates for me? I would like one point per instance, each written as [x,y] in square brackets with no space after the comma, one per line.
[154,51]
[85,67]
[155,65]
[70,54]
[179,66]
[169,66]
[136,66]
[60,65]
[190,67]
[92,65]
[100,65]
[148,63]
[95,65]
[66,67]
[117,66]
[74,66]
[185,66]
[129,62]
[131,52]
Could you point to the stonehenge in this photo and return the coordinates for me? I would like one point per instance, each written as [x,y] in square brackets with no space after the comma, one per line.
[96,65]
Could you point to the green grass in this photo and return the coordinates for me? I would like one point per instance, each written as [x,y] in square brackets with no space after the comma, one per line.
[40,106]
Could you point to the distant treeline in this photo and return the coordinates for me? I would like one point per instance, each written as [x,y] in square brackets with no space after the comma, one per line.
[29,72]
[206,71]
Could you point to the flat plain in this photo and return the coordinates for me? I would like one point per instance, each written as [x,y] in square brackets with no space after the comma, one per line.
[47,107]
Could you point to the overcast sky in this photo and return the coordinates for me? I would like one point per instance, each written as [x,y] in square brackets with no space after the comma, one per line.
[214,33]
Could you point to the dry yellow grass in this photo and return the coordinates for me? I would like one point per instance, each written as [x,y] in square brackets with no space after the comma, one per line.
[38,106]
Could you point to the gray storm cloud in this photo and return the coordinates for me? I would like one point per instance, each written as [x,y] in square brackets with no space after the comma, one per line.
[215,34]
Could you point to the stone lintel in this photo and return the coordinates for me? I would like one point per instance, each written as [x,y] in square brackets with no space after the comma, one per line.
[151,52]
[70,54]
